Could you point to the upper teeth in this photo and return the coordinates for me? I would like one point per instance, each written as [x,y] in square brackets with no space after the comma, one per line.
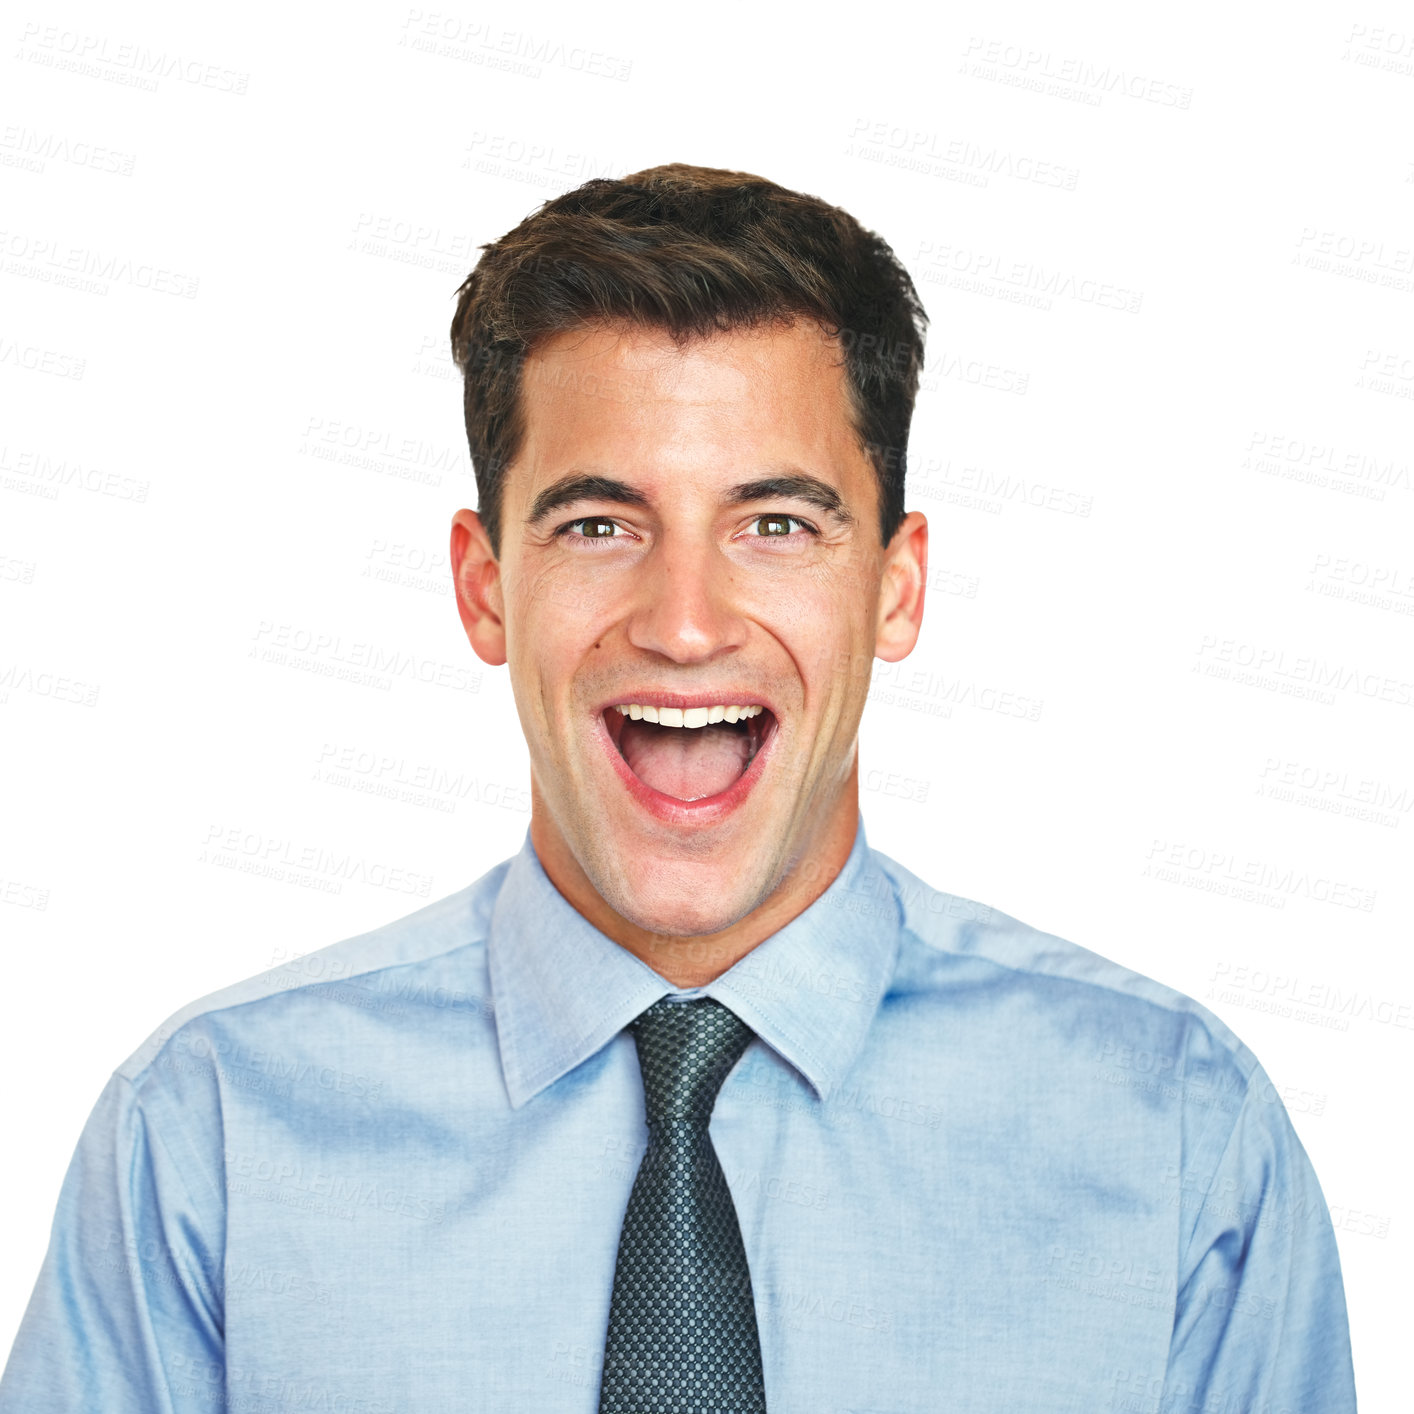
[685,716]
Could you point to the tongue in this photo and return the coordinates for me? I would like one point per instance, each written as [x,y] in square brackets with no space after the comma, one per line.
[685,762]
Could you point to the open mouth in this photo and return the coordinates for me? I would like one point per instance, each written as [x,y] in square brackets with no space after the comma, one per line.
[689,753]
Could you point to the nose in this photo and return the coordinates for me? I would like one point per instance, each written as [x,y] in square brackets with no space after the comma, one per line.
[686,607]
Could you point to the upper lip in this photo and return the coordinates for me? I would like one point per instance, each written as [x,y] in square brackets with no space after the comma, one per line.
[724,697]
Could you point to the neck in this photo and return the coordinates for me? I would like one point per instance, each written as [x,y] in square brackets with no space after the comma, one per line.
[693,961]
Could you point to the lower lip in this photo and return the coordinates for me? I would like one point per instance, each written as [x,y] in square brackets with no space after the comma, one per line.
[672,811]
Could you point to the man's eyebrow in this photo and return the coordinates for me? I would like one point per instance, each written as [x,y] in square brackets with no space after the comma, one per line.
[796,486]
[799,486]
[582,487]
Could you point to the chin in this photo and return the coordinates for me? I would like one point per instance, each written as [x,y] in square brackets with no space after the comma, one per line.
[676,898]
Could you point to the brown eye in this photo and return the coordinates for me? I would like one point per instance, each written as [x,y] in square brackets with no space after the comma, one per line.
[774,525]
[592,528]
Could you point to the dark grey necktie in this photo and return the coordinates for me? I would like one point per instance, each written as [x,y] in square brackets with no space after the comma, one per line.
[682,1323]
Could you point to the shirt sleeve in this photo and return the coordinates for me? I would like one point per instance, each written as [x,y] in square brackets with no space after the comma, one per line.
[1261,1323]
[126,1315]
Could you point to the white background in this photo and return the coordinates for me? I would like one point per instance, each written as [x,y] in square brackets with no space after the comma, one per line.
[1164,444]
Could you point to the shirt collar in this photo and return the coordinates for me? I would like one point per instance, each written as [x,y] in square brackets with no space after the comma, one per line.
[562,989]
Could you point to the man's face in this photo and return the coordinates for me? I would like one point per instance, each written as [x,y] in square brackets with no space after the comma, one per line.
[691,531]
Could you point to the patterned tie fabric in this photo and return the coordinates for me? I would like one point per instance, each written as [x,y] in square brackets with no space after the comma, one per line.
[682,1323]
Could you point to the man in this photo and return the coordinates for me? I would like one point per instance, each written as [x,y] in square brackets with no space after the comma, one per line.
[696,1103]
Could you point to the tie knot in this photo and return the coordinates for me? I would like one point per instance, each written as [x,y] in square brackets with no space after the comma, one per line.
[685,1050]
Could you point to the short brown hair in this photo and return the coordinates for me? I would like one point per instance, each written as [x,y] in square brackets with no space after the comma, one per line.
[694,251]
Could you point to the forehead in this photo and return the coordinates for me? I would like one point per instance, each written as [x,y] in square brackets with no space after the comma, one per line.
[776,392]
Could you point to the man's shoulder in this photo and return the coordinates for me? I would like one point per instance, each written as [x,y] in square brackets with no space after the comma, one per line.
[328,974]
[949,928]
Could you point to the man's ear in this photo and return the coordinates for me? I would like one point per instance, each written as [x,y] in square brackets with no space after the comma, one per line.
[476,576]
[902,589]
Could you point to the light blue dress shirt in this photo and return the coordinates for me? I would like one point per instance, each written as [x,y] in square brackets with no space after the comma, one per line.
[977,1168]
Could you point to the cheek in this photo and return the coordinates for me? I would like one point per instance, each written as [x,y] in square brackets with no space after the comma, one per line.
[826,622]
[545,618]
[556,640]
[566,601]
[830,682]
[537,599]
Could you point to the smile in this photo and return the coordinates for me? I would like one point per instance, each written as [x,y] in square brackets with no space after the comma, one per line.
[686,759]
